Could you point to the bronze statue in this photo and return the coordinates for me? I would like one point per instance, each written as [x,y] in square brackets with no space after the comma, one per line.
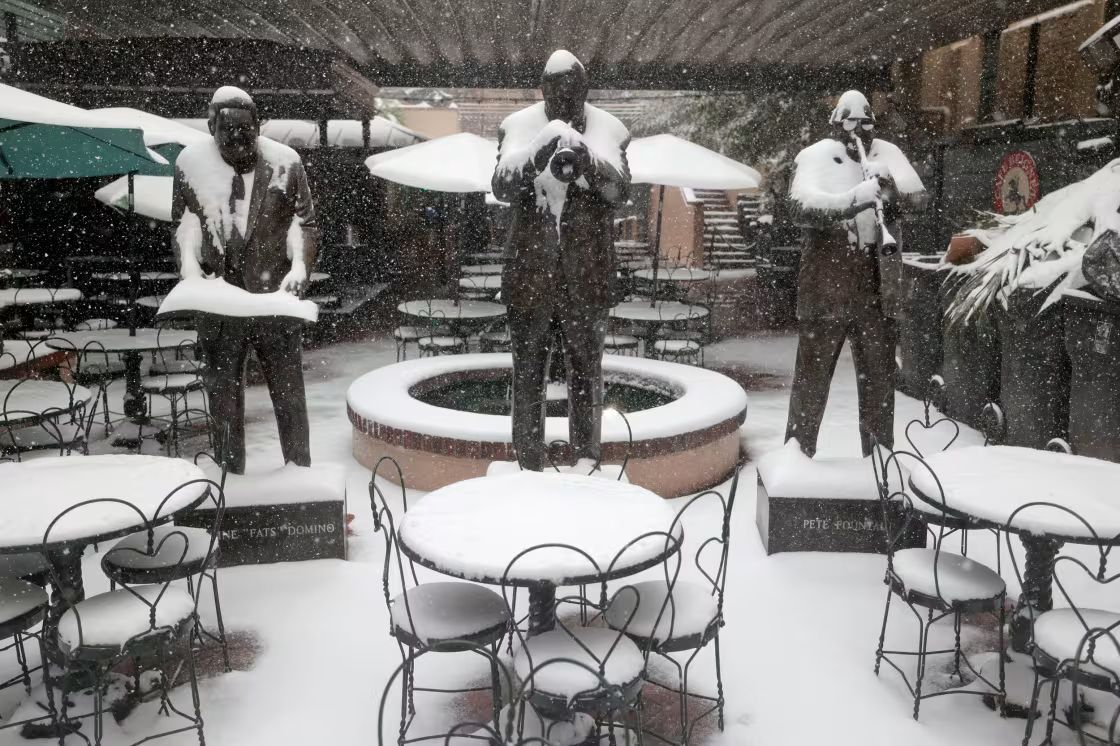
[245,214]
[846,194]
[562,168]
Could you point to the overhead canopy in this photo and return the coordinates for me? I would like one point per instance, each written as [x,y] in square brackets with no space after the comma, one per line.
[722,44]
[41,138]
[465,163]
[671,161]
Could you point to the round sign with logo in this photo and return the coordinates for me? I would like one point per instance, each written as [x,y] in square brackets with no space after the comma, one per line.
[1016,188]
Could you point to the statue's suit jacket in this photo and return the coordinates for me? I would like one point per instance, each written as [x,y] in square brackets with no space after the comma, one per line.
[582,250]
[279,205]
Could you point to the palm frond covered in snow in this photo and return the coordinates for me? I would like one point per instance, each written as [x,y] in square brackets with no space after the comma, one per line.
[1038,249]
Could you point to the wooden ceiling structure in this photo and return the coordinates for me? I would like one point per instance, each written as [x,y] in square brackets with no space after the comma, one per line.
[631,44]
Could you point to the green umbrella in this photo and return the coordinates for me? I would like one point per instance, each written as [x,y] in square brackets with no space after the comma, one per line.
[45,139]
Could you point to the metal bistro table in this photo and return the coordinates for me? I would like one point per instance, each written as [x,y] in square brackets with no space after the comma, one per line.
[474,528]
[131,348]
[471,314]
[26,403]
[17,277]
[33,493]
[985,485]
[24,300]
[649,316]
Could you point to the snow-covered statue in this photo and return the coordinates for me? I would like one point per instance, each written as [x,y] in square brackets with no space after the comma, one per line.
[846,193]
[245,215]
[562,167]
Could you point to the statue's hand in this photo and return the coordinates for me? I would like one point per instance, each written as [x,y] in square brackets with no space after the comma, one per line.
[295,282]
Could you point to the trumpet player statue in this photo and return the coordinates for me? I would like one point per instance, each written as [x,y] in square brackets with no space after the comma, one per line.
[562,168]
[846,193]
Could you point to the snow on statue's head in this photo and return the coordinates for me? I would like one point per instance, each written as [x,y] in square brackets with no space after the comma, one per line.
[854,116]
[564,87]
[233,120]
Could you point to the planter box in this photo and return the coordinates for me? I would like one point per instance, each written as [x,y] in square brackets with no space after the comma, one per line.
[823,505]
[919,338]
[1035,371]
[1092,340]
[970,366]
[286,515]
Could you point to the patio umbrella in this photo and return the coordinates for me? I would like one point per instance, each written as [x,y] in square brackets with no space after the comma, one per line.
[41,138]
[668,160]
[151,196]
[462,162]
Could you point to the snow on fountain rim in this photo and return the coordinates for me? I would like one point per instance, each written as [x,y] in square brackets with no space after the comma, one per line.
[382,396]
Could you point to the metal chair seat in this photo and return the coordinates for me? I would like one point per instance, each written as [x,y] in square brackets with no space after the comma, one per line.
[442,611]
[688,621]
[564,687]
[21,605]
[960,581]
[678,347]
[176,366]
[1059,633]
[620,341]
[409,333]
[26,565]
[172,383]
[129,561]
[442,343]
[112,621]
[94,373]
[91,325]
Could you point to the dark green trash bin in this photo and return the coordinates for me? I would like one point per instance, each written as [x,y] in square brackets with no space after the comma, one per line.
[919,328]
[1092,340]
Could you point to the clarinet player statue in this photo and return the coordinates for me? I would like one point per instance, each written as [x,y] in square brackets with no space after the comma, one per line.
[562,168]
[846,193]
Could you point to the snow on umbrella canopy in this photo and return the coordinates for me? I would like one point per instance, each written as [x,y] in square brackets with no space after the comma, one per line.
[45,139]
[668,160]
[463,162]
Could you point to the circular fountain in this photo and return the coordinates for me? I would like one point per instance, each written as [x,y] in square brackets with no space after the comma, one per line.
[445,419]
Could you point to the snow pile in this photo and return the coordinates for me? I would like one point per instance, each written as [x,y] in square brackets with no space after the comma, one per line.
[600,516]
[324,482]
[1041,247]
[787,472]
[561,61]
[112,619]
[583,466]
[216,296]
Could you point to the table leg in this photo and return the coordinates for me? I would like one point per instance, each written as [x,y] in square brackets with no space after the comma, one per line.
[1037,595]
[542,608]
[134,405]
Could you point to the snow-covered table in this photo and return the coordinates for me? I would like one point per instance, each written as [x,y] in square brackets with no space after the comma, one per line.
[26,402]
[16,276]
[131,348]
[473,529]
[658,313]
[682,275]
[35,492]
[481,282]
[465,314]
[987,485]
[38,296]
[482,269]
[142,276]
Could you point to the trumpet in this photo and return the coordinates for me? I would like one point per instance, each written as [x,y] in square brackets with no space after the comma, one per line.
[884,239]
[565,165]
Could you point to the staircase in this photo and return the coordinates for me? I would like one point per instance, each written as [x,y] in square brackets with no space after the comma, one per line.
[724,244]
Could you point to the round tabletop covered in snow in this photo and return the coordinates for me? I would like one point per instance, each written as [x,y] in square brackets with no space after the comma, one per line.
[37,491]
[119,340]
[38,296]
[481,282]
[664,311]
[28,401]
[442,308]
[474,528]
[482,269]
[990,483]
[142,276]
[674,274]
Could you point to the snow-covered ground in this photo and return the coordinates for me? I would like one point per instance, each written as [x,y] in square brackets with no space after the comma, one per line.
[798,648]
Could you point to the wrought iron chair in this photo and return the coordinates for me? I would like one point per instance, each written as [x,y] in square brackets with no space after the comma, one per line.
[558,692]
[676,616]
[149,623]
[495,340]
[619,339]
[439,338]
[682,337]
[23,605]
[1088,662]
[1071,643]
[934,581]
[124,565]
[430,617]
[95,369]
[174,376]
[66,429]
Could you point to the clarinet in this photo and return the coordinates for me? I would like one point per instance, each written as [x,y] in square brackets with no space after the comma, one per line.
[887,244]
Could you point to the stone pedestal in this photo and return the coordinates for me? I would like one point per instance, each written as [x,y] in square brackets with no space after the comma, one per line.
[285,515]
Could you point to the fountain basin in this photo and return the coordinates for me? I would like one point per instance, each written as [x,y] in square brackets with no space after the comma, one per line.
[445,419]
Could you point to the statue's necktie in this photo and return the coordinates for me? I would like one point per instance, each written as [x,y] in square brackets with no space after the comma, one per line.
[236,243]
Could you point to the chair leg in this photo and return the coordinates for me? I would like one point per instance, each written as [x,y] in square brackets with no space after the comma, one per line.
[195,699]
[923,640]
[221,622]
[1031,709]
[883,632]
[719,685]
